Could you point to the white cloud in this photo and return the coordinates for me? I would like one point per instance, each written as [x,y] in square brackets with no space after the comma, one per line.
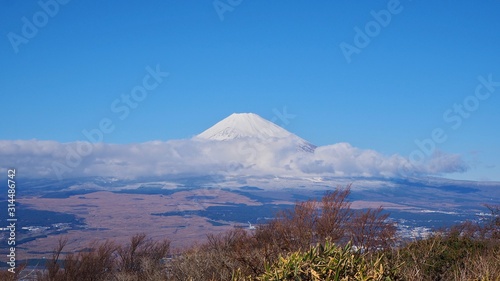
[342,159]
[279,157]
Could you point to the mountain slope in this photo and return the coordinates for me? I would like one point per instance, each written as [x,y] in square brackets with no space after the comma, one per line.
[240,125]
[250,125]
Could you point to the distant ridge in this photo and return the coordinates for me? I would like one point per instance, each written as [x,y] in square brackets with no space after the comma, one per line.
[251,125]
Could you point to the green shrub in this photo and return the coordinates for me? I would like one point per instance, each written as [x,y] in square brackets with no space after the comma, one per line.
[329,262]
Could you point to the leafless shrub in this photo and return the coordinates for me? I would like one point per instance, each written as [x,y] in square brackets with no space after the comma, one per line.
[493,226]
[331,218]
[97,263]
[12,276]
[292,229]
[335,214]
[219,258]
[370,230]
[53,266]
[485,266]
[142,256]
[139,260]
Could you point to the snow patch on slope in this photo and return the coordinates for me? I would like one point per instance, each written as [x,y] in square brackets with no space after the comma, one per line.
[250,125]
[241,125]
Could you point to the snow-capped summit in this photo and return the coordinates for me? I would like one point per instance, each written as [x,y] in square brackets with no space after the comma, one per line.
[242,125]
[250,125]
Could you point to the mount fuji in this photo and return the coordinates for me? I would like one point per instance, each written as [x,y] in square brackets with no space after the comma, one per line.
[251,126]
[242,144]
[243,168]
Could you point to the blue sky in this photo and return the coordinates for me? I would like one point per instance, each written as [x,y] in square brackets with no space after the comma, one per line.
[262,57]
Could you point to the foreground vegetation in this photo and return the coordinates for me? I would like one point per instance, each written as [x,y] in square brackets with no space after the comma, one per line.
[316,240]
